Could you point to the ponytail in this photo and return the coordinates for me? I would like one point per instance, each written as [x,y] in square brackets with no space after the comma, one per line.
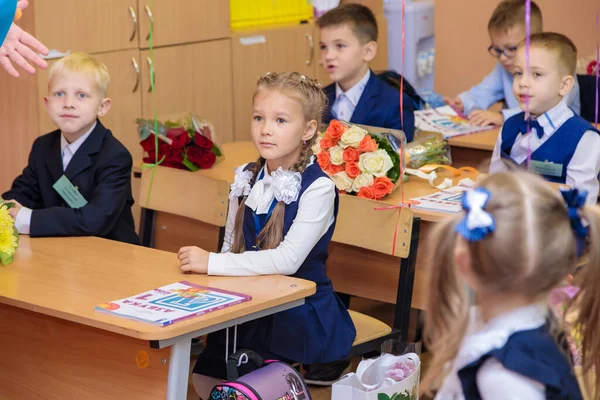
[447,305]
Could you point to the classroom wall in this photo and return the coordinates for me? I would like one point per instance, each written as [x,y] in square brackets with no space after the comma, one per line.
[462,39]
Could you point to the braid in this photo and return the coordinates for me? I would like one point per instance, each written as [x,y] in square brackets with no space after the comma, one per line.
[239,241]
[309,94]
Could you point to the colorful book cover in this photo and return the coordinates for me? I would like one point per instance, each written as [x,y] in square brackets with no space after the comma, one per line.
[172,303]
[448,200]
[446,121]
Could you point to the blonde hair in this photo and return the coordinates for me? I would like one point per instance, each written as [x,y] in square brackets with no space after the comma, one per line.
[563,48]
[531,251]
[308,92]
[510,13]
[82,62]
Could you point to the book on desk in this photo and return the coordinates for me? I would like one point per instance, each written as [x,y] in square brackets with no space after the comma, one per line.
[446,121]
[172,303]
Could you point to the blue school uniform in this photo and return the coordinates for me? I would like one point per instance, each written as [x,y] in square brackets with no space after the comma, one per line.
[511,356]
[533,354]
[319,331]
[557,150]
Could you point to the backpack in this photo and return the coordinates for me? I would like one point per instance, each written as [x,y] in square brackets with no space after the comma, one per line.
[271,380]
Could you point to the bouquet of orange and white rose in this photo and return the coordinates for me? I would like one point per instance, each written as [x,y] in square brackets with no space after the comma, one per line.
[362,162]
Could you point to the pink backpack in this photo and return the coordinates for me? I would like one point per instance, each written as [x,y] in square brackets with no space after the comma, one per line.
[272,380]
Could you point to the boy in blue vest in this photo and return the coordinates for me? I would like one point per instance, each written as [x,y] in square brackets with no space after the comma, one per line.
[348,43]
[553,141]
[506,28]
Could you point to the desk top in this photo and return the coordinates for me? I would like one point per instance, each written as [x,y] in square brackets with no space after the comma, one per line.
[67,277]
[485,140]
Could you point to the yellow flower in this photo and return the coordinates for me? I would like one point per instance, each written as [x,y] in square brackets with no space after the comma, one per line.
[8,241]
[6,220]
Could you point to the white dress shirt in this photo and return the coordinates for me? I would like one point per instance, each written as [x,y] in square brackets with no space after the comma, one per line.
[315,216]
[23,219]
[493,380]
[345,102]
[582,171]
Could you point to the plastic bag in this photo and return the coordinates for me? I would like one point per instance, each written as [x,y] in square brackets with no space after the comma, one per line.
[430,149]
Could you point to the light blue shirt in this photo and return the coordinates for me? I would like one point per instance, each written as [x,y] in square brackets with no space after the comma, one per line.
[496,86]
[345,102]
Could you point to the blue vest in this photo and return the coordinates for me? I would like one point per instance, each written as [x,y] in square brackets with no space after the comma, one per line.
[321,330]
[558,149]
[533,354]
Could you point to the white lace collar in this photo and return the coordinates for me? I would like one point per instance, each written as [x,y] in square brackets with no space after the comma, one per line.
[279,185]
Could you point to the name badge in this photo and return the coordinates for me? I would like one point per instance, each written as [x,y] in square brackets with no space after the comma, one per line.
[546,168]
[69,193]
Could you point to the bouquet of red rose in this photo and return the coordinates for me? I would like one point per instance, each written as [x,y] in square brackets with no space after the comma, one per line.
[362,161]
[187,143]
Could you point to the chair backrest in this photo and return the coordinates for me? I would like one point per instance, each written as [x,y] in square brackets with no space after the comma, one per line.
[361,262]
[359,224]
[587,96]
[185,193]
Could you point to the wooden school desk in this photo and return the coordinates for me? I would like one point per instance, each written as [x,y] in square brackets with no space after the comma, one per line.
[370,274]
[474,150]
[55,346]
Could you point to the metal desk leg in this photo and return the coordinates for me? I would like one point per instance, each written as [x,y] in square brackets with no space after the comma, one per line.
[406,283]
[148,222]
[179,367]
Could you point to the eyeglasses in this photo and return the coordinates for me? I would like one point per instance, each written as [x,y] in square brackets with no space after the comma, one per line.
[497,52]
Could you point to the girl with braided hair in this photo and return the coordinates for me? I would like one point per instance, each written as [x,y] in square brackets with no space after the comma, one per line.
[282,215]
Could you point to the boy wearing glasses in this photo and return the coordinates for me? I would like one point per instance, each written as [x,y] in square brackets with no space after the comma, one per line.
[506,29]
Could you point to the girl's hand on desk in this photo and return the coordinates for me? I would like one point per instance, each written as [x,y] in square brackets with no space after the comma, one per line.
[484,117]
[193,259]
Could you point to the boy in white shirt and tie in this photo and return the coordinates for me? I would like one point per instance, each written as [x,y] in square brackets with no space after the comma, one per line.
[553,141]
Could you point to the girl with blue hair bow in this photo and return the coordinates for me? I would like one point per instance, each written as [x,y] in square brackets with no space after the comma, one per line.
[516,240]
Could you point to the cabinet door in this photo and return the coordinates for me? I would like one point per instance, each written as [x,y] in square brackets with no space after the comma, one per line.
[290,49]
[92,25]
[379,63]
[183,21]
[192,78]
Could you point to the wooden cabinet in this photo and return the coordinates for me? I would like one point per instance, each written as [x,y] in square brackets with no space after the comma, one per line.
[183,21]
[92,26]
[191,78]
[255,53]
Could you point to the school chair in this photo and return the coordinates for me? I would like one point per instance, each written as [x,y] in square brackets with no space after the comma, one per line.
[587,96]
[362,228]
[184,199]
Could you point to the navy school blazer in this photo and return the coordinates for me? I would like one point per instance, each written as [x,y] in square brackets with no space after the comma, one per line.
[378,106]
[101,171]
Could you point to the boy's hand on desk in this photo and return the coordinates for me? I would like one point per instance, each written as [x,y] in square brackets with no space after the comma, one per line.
[485,117]
[455,103]
[193,259]
[14,210]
